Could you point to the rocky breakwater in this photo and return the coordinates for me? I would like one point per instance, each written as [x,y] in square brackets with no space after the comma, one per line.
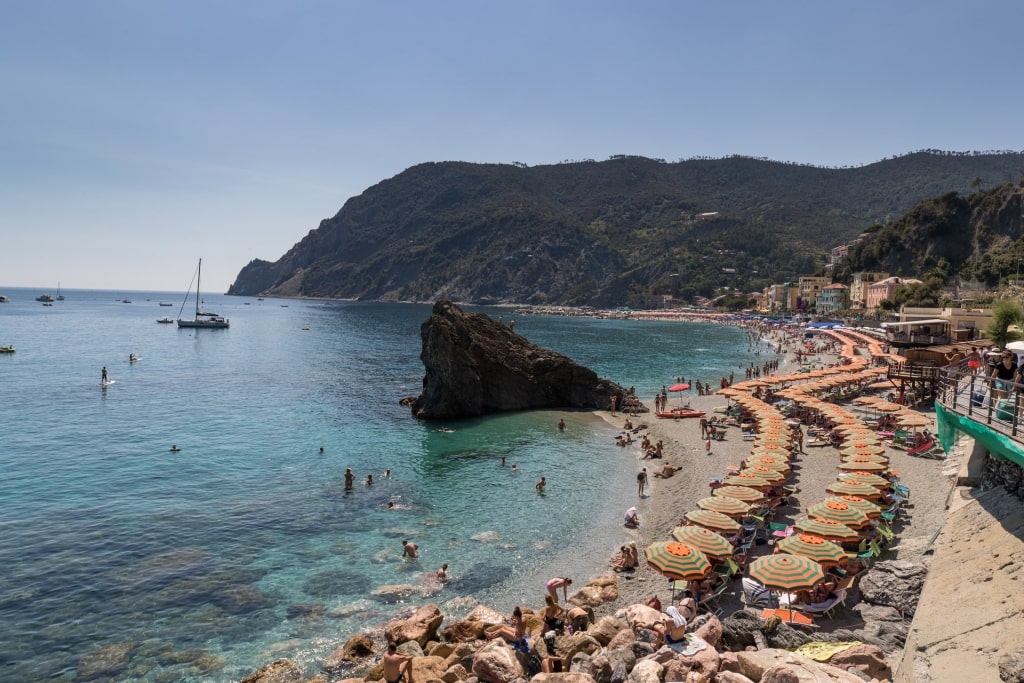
[476,365]
[614,648]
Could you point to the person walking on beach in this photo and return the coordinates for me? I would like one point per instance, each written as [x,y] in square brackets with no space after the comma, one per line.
[559,582]
[541,484]
[641,482]
[410,549]
[350,478]
[397,666]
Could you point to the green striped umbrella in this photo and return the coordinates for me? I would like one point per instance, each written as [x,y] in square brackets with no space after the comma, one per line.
[865,478]
[839,511]
[833,531]
[821,550]
[715,521]
[744,493]
[786,572]
[869,508]
[702,539]
[677,560]
[724,505]
[845,488]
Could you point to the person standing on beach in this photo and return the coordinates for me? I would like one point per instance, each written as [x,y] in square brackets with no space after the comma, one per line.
[349,478]
[641,481]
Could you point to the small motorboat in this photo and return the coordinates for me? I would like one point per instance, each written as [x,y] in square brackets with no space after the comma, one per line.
[677,413]
[165,320]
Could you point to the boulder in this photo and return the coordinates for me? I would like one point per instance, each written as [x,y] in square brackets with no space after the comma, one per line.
[867,659]
[279,671]
[605,629]
[476,365]
[496,662]
[646,671]
[421,626]
[357,647]
[781,666]
[894,583]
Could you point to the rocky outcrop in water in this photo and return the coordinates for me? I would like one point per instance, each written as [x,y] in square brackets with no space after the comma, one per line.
[476,365]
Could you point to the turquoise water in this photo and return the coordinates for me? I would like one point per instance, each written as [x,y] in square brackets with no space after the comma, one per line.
[244,546]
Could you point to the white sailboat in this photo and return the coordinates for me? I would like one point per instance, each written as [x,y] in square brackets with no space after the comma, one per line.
[202,319]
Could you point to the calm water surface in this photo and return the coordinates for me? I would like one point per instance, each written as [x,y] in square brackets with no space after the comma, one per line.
[205,564]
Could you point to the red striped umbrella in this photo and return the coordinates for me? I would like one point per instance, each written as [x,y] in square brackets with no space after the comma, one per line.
[709,519]
[815,548]
[704,540]
[677,560]
[724,505]
[786,572]
[833,531]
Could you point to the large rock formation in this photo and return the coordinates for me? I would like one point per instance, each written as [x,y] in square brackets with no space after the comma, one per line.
[476,365]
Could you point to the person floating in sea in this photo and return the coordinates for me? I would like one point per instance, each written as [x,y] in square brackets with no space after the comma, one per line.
[350,478]
[541,484]
[410,549]
[103,375]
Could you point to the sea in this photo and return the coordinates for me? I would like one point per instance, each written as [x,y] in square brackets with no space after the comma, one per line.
[123,560]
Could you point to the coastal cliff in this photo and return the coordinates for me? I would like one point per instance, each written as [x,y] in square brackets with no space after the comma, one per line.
[476,365]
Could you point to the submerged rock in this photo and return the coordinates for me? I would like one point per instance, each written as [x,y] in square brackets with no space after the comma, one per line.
[476,365]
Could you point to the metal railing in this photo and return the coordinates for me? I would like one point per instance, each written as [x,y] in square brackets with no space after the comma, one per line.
[994,403]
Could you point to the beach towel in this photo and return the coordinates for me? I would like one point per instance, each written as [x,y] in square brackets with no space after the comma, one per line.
[822,651]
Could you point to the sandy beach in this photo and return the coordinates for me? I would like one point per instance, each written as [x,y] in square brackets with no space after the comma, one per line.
[666,500]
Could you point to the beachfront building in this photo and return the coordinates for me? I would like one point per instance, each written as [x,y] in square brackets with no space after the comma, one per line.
[858,286]
[809,286]
[830,299]
[880,291]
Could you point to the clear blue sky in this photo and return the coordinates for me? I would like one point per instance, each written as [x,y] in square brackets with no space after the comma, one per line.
[137,136]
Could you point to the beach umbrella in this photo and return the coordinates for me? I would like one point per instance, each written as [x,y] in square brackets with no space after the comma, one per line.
[766,473]
[744,493]
[821,550]
[786,572]
[854,464]
[677,560]
[747,480]
[842,512]
[845,488]
[704,540]
[867,506]
[833,531]
[709,519]
[865,478]
[724,505]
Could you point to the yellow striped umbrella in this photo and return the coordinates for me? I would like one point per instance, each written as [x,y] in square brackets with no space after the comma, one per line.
[786,572]
[845,488]
[821,550]
[744,493]
[865,478]
[854,464]
[724,505]
[833,531]
[704,540]
[767,473]
[869,508]
[709,519]
[836,511]
[677,560]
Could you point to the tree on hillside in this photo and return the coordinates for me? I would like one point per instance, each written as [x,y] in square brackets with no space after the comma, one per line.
[1004,314]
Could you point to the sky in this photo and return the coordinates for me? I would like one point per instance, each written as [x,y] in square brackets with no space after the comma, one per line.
[138,136]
